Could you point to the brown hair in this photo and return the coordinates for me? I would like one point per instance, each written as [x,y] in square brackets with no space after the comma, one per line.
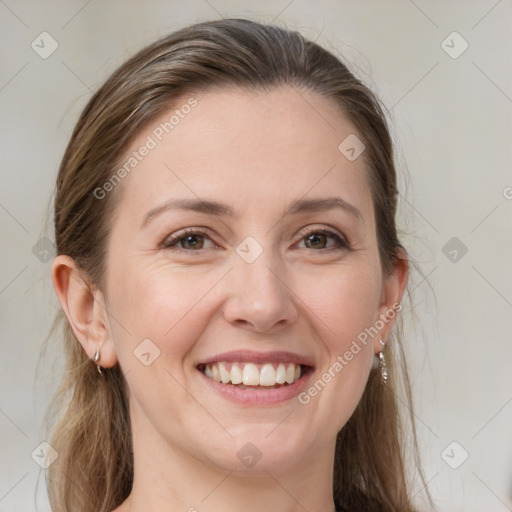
[94,470]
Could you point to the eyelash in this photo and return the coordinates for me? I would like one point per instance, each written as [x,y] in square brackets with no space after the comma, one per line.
[172,240]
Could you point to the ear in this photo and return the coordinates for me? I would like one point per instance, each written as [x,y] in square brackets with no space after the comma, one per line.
[84,306]
[392,291]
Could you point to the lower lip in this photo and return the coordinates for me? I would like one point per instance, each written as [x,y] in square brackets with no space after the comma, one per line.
[258,396]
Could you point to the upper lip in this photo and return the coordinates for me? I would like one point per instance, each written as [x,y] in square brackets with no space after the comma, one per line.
[250,356]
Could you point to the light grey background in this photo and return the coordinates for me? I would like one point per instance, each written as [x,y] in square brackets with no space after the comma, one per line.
[452,124]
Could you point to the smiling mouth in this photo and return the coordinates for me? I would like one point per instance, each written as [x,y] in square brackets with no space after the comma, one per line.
[254,376]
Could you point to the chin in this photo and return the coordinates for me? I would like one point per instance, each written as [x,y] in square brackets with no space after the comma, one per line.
[259,450]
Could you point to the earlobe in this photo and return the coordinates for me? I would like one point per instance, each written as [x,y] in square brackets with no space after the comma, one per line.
[84,309]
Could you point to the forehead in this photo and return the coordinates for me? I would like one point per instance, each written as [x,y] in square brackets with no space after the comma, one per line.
[244,147]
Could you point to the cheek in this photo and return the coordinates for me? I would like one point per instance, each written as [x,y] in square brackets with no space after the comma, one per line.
[344,303]
[161,304]
[344,300]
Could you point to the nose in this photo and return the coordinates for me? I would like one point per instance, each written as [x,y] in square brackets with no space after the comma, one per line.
[259,298]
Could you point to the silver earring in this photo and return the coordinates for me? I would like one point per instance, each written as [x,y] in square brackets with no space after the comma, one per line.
[97,358]
[380,361]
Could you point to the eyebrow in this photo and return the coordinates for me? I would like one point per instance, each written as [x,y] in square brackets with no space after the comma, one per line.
[223,210]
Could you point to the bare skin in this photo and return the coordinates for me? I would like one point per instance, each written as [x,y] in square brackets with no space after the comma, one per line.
[305,294]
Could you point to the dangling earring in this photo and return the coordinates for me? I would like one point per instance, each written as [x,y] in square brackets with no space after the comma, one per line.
[97,358]
[380,361]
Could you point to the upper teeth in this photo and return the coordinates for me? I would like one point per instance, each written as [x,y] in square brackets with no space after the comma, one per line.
[251,374]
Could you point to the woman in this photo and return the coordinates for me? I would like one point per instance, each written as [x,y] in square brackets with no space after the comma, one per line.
[230,279]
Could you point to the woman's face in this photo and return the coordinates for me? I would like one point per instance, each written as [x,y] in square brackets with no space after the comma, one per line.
[280,270]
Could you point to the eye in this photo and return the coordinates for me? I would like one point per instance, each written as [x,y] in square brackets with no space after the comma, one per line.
[191,239]
[317,239]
